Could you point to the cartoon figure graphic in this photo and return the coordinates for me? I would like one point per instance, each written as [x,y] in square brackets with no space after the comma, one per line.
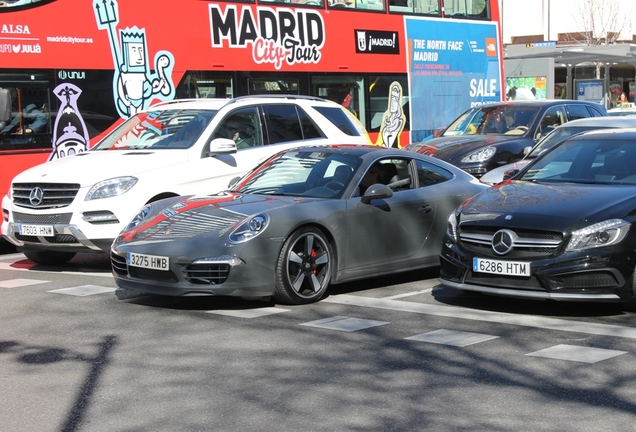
[70,134]
[133,84]
[393,120]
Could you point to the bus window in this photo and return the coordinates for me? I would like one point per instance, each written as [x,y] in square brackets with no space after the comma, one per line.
[205,85]
[30,116]
[423,7]
[269,86]
[343,89]
[466,9]
[317,3]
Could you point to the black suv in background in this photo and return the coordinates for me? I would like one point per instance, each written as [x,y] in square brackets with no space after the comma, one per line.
[489,136]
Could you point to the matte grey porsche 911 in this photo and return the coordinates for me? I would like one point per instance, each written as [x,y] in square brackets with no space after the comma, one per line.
[299,222]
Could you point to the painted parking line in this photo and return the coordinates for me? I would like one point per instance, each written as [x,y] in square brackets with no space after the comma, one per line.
[342,323]
[577,353]
[409,294]
[30,269]
[479,315]
[83,290]
[452,337]
[248,313]
[17,283]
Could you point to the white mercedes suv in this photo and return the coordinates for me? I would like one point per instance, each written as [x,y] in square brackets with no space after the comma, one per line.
[80,203]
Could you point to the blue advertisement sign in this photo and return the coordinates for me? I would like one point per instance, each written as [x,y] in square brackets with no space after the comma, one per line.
[453,65]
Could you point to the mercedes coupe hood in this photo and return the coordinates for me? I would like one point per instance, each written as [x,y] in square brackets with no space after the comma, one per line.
[549,206]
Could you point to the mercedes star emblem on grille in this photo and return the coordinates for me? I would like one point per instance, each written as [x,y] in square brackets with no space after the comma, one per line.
[502,241]
[36,196]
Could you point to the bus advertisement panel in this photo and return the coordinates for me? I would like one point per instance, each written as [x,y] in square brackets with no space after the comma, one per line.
[73,80]
[451,64]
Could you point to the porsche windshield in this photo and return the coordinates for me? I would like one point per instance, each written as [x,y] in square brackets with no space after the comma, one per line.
[160,129]
[302,173]
[493,120]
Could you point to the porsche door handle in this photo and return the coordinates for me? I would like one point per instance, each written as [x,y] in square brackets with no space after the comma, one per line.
[425,208]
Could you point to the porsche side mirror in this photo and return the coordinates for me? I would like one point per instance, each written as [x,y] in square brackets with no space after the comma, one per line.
[527,150]
[376,191]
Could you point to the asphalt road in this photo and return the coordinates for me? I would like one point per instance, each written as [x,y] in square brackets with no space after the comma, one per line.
[390,354]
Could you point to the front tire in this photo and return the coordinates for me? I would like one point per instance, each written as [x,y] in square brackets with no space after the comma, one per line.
[304,267]
[49,257]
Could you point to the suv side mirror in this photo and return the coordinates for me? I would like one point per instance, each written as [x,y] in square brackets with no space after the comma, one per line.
[5,107]
[222,146]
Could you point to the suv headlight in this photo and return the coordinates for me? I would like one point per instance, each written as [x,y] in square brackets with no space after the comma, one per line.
[480,155]
[249,228]
[600,234]
[110,188]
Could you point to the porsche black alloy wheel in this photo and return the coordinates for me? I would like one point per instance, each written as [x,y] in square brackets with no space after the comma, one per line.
[304,267]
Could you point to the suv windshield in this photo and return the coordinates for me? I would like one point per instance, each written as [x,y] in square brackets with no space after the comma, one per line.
[160,129]
[494,120]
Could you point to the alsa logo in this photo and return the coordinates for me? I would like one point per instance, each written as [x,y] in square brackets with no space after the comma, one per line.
[15,29]
[275,35]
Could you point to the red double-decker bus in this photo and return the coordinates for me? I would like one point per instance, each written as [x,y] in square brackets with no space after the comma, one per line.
[74,68]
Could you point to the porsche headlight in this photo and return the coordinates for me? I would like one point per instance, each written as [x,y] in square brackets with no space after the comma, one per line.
[110,188]
[249,228]
[480,155]
[600,234]
[141,216]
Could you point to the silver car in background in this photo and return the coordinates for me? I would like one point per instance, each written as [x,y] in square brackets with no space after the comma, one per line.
[558,135]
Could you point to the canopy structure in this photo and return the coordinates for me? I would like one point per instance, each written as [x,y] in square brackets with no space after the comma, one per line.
[571,56]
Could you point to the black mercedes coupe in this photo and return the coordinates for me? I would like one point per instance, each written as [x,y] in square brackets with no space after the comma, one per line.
[560,229]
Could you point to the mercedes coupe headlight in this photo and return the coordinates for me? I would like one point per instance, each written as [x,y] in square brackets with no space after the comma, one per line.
[480,155]
[600,234]
[249,228]
[451,226]
[141,216]
[110,188]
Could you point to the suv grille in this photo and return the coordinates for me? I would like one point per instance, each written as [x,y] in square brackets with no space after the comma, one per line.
[54,195]
[51,219]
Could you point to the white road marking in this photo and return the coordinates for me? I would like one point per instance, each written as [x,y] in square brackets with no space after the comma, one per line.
[577,353]
[452,337]
[77,272]
[494,317]
[248,313]
[16,283]
[409,294]
[342,323]
[83,290]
